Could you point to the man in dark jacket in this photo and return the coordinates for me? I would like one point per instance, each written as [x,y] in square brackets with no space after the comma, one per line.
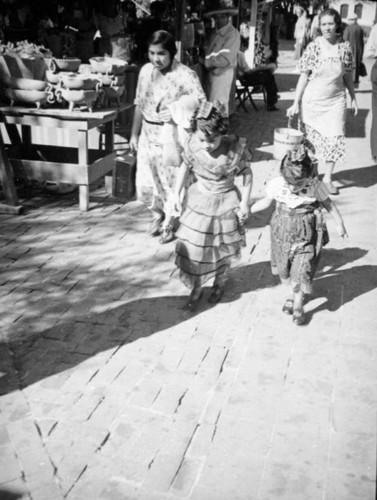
[355,35]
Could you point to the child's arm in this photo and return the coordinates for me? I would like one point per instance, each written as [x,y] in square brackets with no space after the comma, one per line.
[179,185]
[246,191]
[332,209]
[260,205]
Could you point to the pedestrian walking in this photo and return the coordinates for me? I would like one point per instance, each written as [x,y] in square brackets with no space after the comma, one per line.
[211,231]
[326,72]
[354,34]
[371,52]
[163,84]
[302,31]
[297,227]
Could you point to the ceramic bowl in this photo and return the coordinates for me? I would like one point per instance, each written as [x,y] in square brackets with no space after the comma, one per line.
[85,97]
[25,83]
[110,79]
[75,81]
[106,65]
[56,65]
[36,97]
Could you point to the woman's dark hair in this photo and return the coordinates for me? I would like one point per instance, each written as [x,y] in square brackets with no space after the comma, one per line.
[166,40]
[338,20]
[212,125]
[297,166]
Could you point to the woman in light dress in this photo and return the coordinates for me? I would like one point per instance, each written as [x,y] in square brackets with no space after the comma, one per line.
[371,52]
[165,86]
[326,73]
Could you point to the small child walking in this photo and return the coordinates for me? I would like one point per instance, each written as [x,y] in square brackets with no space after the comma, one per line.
[211,231]
[298,230]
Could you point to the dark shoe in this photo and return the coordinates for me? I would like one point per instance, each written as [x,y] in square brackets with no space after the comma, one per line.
[332,189]
[193,300]
[298,317]
[216,294]
[288,307]
[155,227]
[167,235]
[272,108]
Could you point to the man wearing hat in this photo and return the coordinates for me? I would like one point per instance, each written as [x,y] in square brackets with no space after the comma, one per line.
[355,35]
[221,53]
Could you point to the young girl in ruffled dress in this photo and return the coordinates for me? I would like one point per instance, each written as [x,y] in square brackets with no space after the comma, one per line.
[211,231]
[298,229]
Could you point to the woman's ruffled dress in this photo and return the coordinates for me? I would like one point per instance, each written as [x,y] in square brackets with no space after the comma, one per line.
[209,235]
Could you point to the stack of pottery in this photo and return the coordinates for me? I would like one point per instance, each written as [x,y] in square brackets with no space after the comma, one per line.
[25,91]
[78,89]
[111,72]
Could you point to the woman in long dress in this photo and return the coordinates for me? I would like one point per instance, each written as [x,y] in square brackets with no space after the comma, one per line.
[163,84]
[371,52]
[326,73]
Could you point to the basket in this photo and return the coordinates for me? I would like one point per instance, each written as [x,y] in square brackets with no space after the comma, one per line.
[286,139]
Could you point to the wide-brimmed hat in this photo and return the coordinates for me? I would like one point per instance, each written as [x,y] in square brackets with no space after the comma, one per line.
[352,17]
[217,7]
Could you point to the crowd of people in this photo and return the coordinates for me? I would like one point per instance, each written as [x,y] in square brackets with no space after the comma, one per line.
[188,162]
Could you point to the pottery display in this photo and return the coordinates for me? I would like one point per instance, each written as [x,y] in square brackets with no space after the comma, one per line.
[110,79]
[77,97]
[76,81]
[106,65]
[56,65]
[112,93]
[24,83]
[37,97]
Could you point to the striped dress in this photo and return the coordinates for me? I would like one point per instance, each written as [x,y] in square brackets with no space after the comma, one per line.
[209,235]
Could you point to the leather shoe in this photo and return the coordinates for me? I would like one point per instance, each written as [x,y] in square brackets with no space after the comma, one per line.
[272,108]
[216,294]
[193,300]
[167,235]
[298,318]
[288,307]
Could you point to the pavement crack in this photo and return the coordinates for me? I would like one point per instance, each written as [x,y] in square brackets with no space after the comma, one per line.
[53,465]
[92,377]
[215,426]
[104,441]
[76,481]
[95,408]
[184,454]
[180,400]
[223,362]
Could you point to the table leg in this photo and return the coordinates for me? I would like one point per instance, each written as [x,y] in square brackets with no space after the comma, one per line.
[83,160]
[109,147]
[84,198]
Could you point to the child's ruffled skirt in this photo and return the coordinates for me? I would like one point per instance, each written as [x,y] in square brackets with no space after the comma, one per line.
[209,236]
[297,237]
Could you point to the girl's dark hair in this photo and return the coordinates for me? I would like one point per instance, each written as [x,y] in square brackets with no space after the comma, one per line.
[212,125]
[338,20]
[166,40]
[296,167]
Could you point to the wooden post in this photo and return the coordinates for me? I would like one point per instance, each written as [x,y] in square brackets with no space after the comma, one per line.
[180,9]
[249,54]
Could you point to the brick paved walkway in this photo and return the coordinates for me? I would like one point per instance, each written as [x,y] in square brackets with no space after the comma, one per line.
[109,391]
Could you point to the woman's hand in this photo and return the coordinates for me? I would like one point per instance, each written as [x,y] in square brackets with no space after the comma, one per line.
[354,107]
[165,115]
[293,110]
[133,144]
[342,231]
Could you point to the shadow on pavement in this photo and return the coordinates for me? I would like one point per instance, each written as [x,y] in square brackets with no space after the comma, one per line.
[286,82]
[10,495]
[361,177]
[356,125]
[341,286]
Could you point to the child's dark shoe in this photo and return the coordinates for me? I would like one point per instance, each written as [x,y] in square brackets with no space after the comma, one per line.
[288,307]
[216,294]
[298,317]
[193,300]
[167,235]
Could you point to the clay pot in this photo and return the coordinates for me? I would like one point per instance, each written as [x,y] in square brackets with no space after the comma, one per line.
[56,65]
[37,97]
[107,65]
[75,81]
[25,83]
[77,97]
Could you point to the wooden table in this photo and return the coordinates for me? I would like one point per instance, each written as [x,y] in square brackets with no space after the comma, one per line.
[77,165]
